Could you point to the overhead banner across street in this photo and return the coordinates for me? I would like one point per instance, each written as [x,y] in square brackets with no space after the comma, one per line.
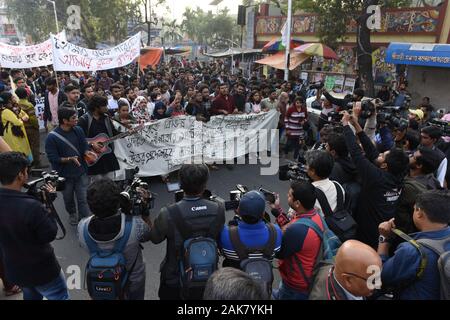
[70,57]
[163,146]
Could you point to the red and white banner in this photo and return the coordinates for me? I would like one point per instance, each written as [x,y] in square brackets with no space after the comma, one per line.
[70,57]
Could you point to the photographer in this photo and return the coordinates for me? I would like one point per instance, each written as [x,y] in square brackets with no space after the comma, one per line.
[65,147]
[382,181]
[203,217]
[429,136]
[423,163]
[320,165]
[252,231]
[300,245]
[108,226]
[26,231]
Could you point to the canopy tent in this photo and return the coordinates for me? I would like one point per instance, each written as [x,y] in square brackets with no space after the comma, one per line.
[150,57]
[276,45]
[419,54]
[177,50]
[278,61]
[232,52]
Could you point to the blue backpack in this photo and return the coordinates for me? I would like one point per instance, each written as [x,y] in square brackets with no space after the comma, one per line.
[328,249]
[106,274]
[198,256]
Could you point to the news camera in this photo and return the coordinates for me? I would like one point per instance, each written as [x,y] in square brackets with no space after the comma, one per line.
[391,116]
[136,198]
[368,108]
[444,126]
[38,189]
[293,171]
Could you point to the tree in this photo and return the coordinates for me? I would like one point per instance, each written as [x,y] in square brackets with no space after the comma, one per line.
[172,31]
[210,29]
[100,20]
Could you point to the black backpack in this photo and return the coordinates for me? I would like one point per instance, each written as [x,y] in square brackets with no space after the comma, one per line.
[341,221]
[260,269]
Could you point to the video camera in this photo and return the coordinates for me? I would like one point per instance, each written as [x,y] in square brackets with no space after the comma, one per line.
[391,116]
[293,172]
[368,108]
[37,189]
[132,201]
[444,126]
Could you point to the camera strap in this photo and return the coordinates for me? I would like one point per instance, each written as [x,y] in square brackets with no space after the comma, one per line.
[60,137]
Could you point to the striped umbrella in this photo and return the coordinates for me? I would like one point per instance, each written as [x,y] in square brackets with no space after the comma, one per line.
[276,45]
[317,49]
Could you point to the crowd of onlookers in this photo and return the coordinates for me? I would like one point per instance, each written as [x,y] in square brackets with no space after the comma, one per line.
[389,179]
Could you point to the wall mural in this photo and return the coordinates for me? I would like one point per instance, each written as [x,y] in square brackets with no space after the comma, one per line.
[392,21]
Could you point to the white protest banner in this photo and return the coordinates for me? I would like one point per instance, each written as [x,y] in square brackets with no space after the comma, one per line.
[70,57]
[24,57]
[163,146]
[39,109]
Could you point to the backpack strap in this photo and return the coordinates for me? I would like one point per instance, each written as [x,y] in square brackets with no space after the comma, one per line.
[324,204]
[311,224]
[340,197]
[271,243]
[90,243]
[423,257]
[435,245]
[183,228]
[238,246]
[119,246]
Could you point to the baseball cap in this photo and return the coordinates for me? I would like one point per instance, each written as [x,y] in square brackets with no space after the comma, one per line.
[418,113]
[252,204]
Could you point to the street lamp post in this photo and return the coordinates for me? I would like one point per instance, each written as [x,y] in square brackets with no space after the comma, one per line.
[56,16]
[232,54]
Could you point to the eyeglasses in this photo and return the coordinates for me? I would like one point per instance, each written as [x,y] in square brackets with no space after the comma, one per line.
[356,276]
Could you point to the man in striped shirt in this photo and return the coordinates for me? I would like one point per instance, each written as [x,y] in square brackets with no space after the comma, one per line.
[254,234]
[296,117]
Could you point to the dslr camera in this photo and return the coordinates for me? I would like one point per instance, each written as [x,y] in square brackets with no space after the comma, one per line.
[368,108]
[391,116]
[133,202]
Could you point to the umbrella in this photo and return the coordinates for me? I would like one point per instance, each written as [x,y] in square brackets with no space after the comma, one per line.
[278,60]
[317,49]
[276,45]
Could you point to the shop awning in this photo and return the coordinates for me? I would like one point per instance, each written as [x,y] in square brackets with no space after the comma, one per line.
[419,54]
[230,52]
[278,61]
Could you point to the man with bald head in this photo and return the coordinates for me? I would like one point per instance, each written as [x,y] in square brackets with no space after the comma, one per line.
[348,278]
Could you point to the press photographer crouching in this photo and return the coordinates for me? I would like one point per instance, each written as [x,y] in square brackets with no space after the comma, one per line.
[112,234]
[194,217]
[26,231]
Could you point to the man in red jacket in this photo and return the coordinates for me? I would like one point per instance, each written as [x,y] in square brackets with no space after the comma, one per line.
[223,103]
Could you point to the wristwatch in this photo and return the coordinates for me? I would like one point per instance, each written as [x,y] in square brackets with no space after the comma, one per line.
[382,239]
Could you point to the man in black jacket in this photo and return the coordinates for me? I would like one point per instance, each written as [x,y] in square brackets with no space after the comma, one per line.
[382,178]
[204,217]
[358,95]
[26,231]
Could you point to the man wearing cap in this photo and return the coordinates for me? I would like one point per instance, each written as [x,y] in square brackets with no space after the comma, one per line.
[415,118]
[253,232]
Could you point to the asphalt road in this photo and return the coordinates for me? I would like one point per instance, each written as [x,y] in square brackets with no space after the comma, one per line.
[69,252]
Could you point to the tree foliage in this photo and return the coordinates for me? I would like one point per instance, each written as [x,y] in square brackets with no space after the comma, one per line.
[100,20]
[210,29]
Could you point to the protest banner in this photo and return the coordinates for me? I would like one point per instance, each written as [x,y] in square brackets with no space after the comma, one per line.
[163,146]
[25,57]
[70,57]
[39,109]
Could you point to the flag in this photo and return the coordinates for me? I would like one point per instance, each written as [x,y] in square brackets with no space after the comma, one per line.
[284,35]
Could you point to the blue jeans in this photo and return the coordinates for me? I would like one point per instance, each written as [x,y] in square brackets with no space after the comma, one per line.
[76,187]
[287,293]
[54,290]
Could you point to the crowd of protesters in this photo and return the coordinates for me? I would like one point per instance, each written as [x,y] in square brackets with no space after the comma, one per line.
[387,176]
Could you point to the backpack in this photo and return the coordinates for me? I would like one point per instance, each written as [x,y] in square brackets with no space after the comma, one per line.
[198,256]
[327,252]
[260,269]
[341,221]
[443,262]
[106,274]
